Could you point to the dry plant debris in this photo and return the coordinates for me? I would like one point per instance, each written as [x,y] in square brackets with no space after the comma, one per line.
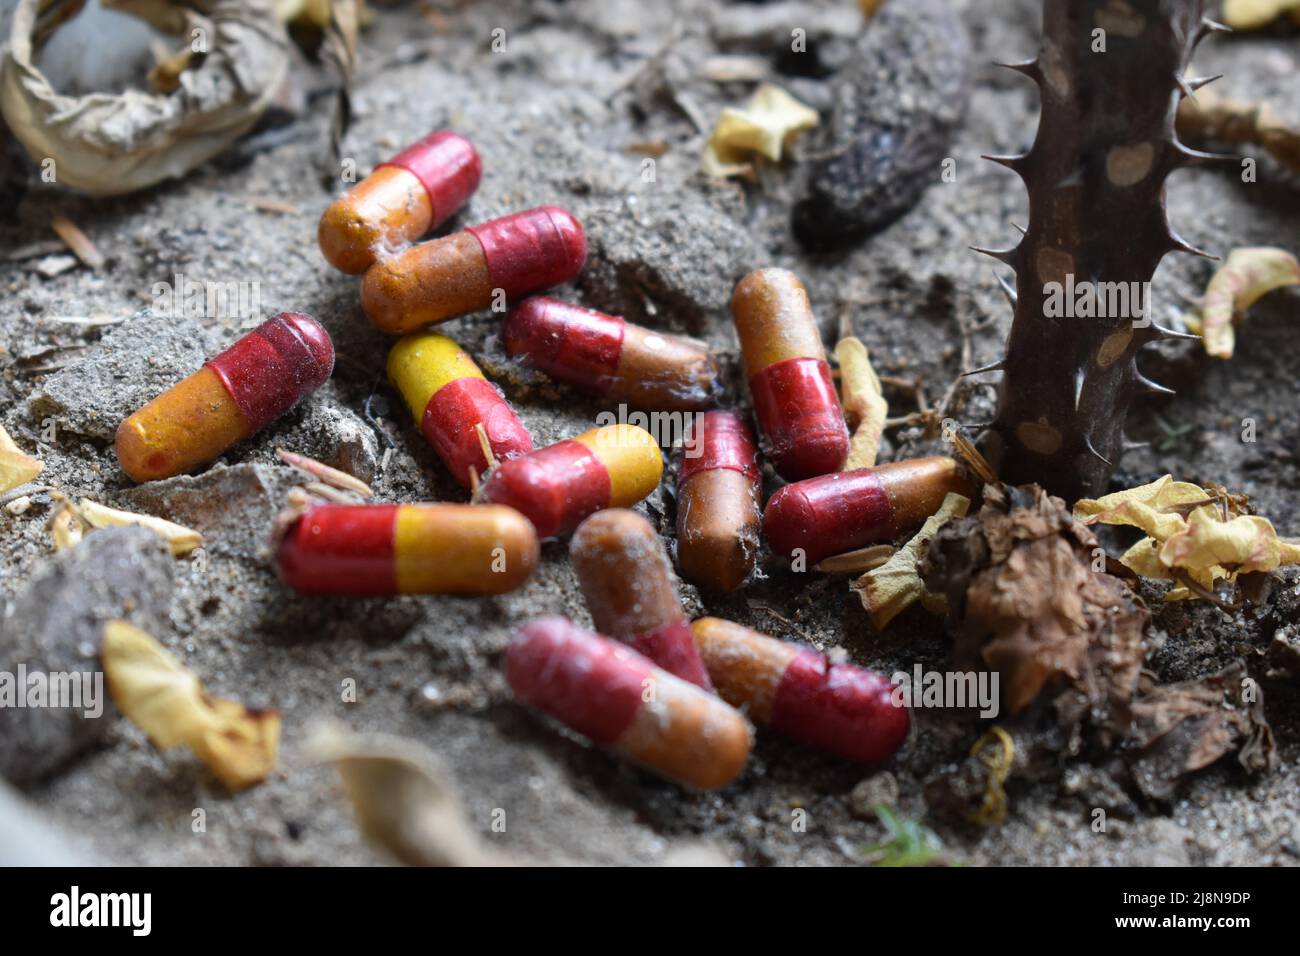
[763,128]
[16,468]
[169,703]
[1246,276]
[863,401]
[71,521]
[1208,116]
[1257,14]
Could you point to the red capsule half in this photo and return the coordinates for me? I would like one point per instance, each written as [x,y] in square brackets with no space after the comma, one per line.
[800,694]
[848,510]
[606,355]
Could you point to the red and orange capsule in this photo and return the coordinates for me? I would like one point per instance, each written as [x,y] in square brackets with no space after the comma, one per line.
[718,493]
[851,509]
[451,400]
[630,591]
[839,708]
[608,356]
[618,699]
[375,550]
[557,486]
[441,279]
[798,411]
[414,192]
[234,395]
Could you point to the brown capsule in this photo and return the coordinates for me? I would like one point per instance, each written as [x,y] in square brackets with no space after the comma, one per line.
[631,592]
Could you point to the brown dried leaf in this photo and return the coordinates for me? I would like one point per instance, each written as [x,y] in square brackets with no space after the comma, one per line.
[168,702]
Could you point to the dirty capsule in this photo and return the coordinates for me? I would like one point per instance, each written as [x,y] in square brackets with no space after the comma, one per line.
[631,593]
[441,279]
[618,699]
[450,398]
[557,486]
[718,493]
[417,190]
[385,549]
[798,412]
[839,708]
[608,356]
[832,514]
[234,395]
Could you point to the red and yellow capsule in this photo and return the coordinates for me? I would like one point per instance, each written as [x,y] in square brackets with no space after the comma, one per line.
[718,492]
[618,699]
[557,486]
[441,279]
[608,356]
[375,550]
[851,509]
[798,412]
[417,190]
[839,708]
[631,593]
[450,398]
[234,395]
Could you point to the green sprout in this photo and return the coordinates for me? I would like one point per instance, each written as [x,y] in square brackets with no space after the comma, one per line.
[910,843]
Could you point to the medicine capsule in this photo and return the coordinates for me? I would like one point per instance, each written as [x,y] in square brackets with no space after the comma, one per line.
[630,591]
[234,395]
[839,708]
[618,699]
[836,513]
[449,396]
[798,412]
[375,550]
[441,279]
[417,190]
[718,489]
[608,356]
[557,486]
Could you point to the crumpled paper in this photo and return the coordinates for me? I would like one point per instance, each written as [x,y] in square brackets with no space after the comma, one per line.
[110,144]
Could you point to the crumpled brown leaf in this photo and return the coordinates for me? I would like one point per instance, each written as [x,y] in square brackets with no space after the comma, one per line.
[863,400]
[1019,580]
[109,144]
[169,703]
[1247,276]
[1178,729]
[16,468]
[1196,536]
[770,119]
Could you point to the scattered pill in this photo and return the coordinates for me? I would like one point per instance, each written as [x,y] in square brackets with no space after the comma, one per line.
[799,414]
[839,708]
[386,549]
[235,394]
[630,591]
[557,486]
[608,356]
[833,514]
[718,494]
[450,398]
[441,279]
[417,190]
[618,699]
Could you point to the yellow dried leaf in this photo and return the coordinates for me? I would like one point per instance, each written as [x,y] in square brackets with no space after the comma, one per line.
[1143,507]
[180,539]
[771,118]
[864,401]
[17,469]
[1256,14]
[1246,543]
[168,702]
[896,585]
[66,528]
[1246,276]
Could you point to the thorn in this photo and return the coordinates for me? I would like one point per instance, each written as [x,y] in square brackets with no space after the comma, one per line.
[1129,445]
[1027,68]
[1182,245]
[1172,334]
[1020,229]
[1007,256]
[1150,387]
[1014,163]
[1186,157]
[1087,442]
[1209,26]
[1008,289]
[997,366]
[1189,87]
[1079,379]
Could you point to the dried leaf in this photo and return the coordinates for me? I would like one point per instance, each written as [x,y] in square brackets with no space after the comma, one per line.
[1149,507]
[1256,14]
[1208,116]
[1246,276]
[863,400]
[403,798]
[109,144]
[180,539]
[16,468]
[892,588]
[764,127]
[169,703]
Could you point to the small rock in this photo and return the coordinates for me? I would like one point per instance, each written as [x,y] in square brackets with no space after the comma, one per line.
[56,626]
[871,792]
